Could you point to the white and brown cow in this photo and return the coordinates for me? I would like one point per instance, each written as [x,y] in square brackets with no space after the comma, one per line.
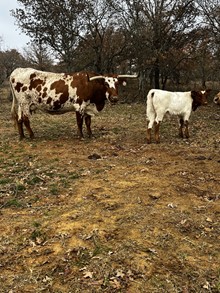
[160,102]
[58,93]
[216,99]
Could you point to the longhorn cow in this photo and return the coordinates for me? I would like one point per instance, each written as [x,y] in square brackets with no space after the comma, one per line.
[58,93]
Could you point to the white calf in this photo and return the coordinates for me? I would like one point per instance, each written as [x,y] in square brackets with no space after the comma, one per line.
[159,102]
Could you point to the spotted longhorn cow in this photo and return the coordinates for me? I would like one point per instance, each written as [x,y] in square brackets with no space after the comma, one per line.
[58,93]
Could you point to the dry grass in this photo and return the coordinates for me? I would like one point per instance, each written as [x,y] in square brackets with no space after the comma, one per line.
[142,218]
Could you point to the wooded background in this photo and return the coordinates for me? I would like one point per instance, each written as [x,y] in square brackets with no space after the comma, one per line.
[171,44]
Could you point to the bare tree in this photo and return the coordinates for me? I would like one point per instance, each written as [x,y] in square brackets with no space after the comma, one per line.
[84,33]
[101,42]
[9,60]
[210,9]
[52,23]
[159,28]
[156,30]
[38,56]
[160,39]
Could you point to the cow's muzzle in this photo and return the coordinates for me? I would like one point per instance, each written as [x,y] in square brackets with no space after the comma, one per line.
[113,99]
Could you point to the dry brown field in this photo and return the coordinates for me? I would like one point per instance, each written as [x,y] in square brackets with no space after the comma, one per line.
[112,213]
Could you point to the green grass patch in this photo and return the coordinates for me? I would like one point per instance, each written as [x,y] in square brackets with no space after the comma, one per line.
[20,187]
[4,181]
[73,176]
[34,180]
[54,190]
[13,203]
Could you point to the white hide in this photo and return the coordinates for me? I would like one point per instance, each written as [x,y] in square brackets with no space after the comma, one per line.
[28,101]
[160,102]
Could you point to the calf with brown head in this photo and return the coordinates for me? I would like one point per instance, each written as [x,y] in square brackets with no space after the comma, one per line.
[199,98]
[160,102]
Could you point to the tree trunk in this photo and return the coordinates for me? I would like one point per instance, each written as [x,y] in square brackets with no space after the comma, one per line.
[142,87]
[157,74]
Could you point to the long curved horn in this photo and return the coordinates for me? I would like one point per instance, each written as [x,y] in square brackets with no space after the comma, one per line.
[96,77]
[127,75]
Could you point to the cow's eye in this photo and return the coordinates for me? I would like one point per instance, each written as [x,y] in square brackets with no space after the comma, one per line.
[106,84]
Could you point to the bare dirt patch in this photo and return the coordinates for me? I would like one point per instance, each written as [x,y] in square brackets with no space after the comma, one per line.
[111,214]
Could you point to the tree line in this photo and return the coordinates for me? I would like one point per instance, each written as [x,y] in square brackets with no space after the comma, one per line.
[167,42]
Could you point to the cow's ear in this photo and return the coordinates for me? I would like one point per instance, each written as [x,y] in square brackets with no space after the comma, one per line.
[193,94]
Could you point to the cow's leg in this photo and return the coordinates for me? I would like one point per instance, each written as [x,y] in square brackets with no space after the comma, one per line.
[181,127]
[79,120]
[158,120]
[157,131]
[149,128]
[148,135]
[186,123]
[19,124]
[88,125]
[27,125]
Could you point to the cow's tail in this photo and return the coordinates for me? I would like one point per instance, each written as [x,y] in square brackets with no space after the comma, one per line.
[150,111]
[14,114]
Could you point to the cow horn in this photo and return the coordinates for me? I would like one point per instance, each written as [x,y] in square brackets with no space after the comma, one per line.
[96,77]
[127,75]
